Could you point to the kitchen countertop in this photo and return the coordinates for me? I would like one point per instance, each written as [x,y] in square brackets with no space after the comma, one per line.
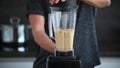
[33,54]
[107,62]
[17,59]
[17,54]
[24,62]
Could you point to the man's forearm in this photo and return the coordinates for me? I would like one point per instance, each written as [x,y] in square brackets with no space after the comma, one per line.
[40,36]
[98,3]
[44,41]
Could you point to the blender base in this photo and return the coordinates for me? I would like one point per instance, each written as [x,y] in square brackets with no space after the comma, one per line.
[63,62]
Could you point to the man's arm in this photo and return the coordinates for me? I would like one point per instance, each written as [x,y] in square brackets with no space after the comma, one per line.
[38,22]
[95,3]
[98,3]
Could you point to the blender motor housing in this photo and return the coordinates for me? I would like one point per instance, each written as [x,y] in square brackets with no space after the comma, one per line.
[62,62]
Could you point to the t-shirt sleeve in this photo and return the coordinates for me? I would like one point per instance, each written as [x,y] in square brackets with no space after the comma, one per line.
[35,7]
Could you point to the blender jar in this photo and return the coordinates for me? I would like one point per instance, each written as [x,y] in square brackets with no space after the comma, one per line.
[63,20]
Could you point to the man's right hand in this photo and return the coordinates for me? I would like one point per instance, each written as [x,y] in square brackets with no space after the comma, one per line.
[55,1]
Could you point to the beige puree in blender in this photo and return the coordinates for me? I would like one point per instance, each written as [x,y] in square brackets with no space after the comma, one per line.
[64,40]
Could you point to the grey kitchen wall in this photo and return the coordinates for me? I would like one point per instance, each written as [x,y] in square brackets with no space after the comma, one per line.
[108,29]
[9,8]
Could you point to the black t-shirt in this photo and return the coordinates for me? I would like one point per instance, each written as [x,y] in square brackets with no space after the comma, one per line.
[40,7]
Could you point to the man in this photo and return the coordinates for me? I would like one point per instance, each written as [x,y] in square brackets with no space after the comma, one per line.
[85,43]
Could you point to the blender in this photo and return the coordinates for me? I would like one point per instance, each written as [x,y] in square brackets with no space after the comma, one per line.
[62,21]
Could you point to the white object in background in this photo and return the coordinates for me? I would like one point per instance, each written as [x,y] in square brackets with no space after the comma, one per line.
[21,35]
[7,33]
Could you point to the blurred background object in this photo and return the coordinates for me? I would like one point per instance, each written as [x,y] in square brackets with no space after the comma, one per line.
[15,37]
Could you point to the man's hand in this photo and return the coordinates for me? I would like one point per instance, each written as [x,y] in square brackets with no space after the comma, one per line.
[55,1]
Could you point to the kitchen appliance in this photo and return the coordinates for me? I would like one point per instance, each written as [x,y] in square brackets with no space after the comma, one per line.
[62,21]
[13,35]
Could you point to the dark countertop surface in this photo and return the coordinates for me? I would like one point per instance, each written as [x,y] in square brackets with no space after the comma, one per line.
[33,54]
[30,51]
[17,54]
